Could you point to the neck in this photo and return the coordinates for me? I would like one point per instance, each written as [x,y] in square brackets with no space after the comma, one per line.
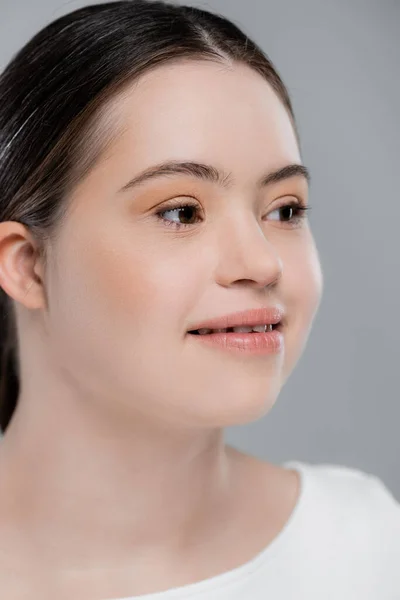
[98,495]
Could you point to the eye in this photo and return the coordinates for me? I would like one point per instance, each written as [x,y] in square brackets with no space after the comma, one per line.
[293,212]
[186,212]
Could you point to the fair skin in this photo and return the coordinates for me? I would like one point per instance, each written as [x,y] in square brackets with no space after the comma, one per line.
[115,479]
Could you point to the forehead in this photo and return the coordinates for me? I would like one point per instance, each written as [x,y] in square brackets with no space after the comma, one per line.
[203,110]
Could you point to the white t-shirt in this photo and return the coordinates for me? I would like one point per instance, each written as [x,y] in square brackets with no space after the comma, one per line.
[342,542]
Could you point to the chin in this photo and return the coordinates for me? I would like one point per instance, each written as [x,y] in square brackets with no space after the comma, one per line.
[236,412]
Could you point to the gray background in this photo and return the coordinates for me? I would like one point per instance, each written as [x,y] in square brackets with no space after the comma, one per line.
[340,60]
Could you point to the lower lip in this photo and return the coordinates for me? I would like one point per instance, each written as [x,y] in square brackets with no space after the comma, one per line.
[270,342]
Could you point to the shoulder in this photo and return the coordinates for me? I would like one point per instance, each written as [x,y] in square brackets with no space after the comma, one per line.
[352,487]
[349,524]
[353,505]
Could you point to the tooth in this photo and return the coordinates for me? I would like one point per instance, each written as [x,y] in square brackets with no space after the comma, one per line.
[261,328]
[256,328]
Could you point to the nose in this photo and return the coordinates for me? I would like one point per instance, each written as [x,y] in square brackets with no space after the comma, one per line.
[246,255]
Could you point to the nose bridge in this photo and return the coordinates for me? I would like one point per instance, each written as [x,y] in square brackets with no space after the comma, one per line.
[245,252]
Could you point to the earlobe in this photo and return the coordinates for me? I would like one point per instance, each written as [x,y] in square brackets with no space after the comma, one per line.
[18,260]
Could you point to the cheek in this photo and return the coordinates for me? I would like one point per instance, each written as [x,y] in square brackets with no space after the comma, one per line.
[116,303]
[302,291]
[124,279]
[302,279]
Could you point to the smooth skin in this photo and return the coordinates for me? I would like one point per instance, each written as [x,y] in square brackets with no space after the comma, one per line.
[115,478]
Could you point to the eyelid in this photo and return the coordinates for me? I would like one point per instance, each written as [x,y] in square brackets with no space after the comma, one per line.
[286,199]
[178,200]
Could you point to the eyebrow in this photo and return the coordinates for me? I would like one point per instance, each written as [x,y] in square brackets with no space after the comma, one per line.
[212,174]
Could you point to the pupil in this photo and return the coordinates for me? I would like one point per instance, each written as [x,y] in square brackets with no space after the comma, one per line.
[287,208]
[185,210]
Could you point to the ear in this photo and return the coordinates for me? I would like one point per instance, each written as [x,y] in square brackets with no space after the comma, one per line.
[21,268]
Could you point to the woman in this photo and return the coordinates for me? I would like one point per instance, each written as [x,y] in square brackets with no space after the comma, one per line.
[152,194]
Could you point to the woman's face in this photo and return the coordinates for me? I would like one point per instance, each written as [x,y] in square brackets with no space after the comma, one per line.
[127,283]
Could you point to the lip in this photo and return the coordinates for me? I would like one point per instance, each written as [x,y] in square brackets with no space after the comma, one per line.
[254,316]
[265,343]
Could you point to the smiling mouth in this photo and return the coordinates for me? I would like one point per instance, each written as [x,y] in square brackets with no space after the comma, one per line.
[255,329]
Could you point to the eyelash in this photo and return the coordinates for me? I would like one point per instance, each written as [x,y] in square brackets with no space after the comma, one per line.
[299,208]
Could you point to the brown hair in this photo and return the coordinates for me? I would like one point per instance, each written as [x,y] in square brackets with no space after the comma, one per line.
[51,95]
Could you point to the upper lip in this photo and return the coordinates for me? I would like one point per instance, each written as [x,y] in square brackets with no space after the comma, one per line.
[255,316]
